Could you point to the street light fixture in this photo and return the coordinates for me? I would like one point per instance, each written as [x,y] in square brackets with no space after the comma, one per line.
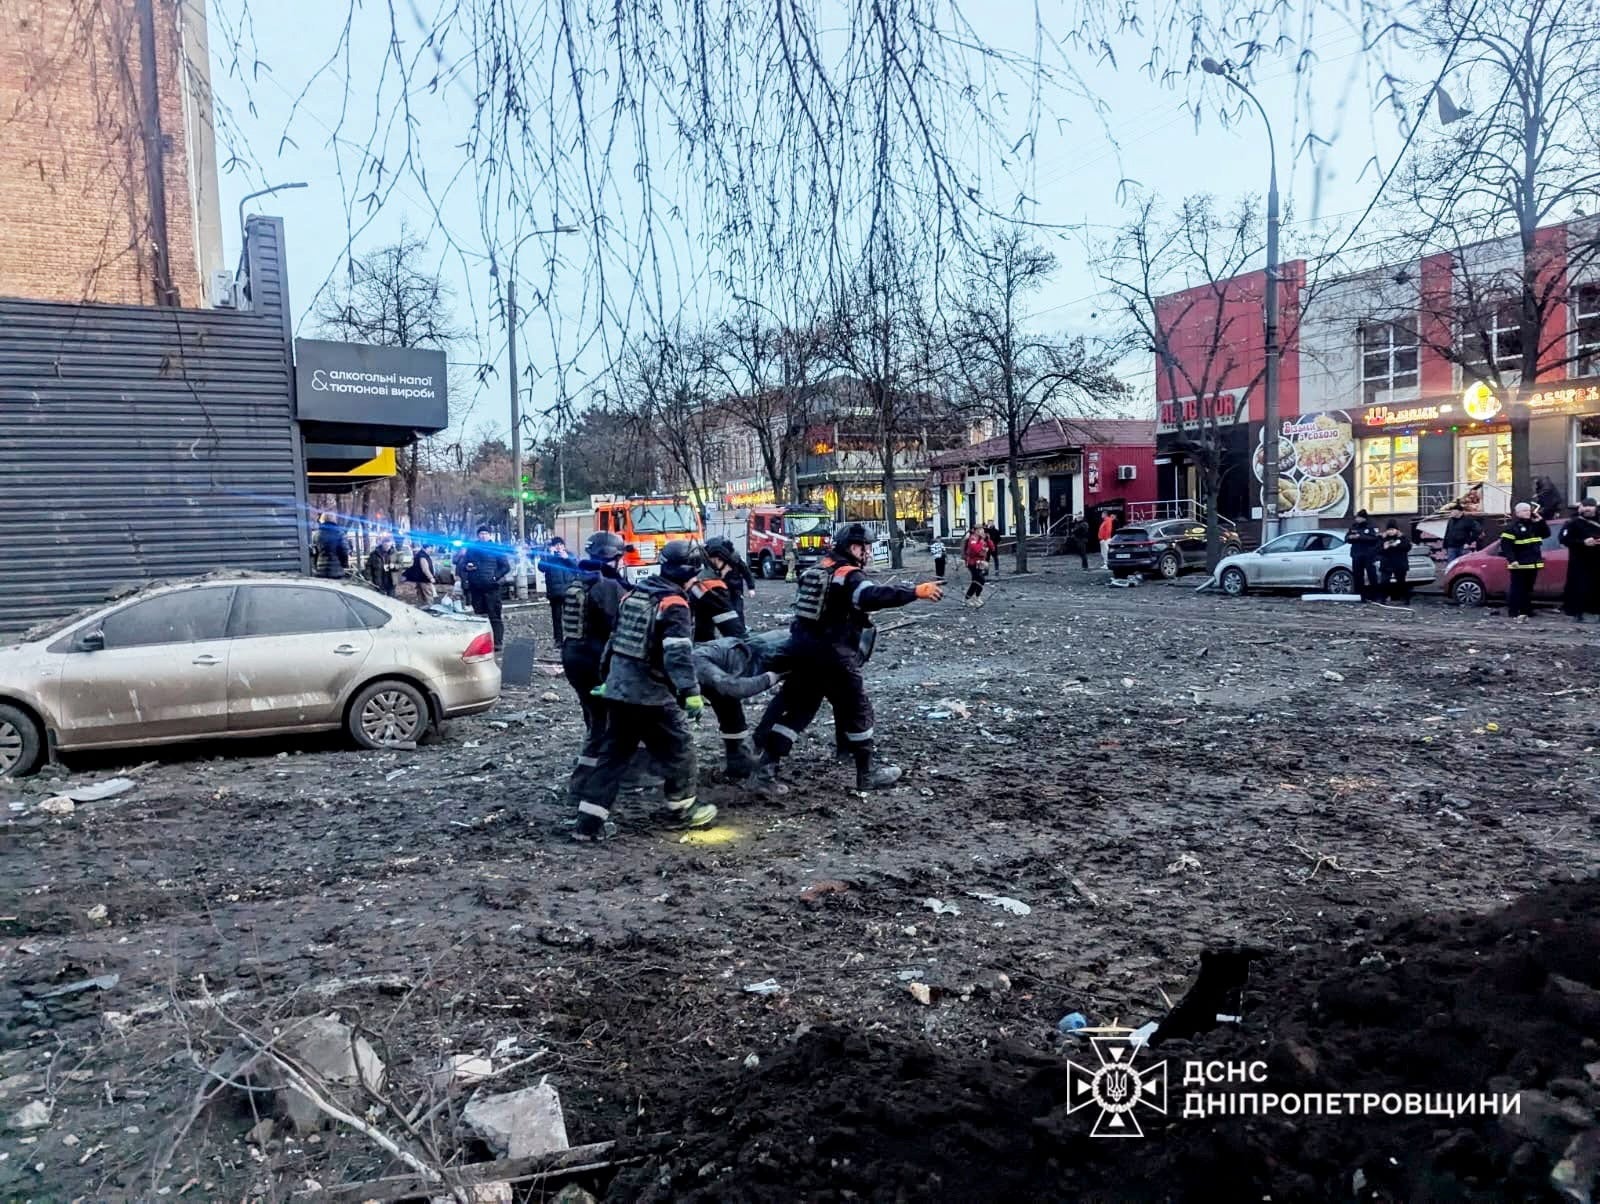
[250,196]
[1270,424]
[516,401]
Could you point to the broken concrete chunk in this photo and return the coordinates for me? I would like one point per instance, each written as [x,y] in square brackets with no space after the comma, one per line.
[517,1124]
[60,805]
[34,1115]
[93,793]
[463,1070]
[479,1193]
[339,1062]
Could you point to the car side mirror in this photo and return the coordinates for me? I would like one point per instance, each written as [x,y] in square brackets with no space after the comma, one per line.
[91,641]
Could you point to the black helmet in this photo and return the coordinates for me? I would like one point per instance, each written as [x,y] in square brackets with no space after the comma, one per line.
[850,533]
[680,560]
[720,545]
[604,545]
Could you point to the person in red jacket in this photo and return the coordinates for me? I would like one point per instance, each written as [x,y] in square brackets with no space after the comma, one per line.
[1108,528]
[975,552]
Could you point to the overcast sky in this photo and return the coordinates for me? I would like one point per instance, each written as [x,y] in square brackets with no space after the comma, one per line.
[1140,132]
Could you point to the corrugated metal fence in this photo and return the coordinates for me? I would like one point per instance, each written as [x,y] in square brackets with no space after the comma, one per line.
[142,442]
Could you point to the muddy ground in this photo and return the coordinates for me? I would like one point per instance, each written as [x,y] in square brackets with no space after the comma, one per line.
[1152,772]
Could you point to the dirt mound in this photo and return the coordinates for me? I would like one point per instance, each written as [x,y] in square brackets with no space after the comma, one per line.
[1464,1005]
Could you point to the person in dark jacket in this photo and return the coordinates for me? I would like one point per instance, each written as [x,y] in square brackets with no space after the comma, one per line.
[731,670]
[483,565]
[730,566]
[330,550]
[936,549]
[712,603]
[1461,533]
[589,615]
[560,569]
[993,532]
[1080,540]
[1366,542]
[824,654]
[1581,538]
[1547,498]
[651,693]
[1394,556]
[420,576]
[1521,543]
[380,565]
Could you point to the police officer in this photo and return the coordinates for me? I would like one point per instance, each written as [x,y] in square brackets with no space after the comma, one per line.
[650,691]
[588,615]
[828,643]
[731,670]
[1366,545]
[715,614]
[483,566]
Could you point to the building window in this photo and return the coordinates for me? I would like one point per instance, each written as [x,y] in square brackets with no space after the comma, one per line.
[1586,456]
[1388,359]
[1491,340]
[1586,329]
[1387,475]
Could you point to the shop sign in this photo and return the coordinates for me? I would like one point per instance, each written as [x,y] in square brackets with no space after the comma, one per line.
[1092,476]
[1223,408]
[1409,416]
[1314,453]
[1061,464]
[952,476]
[1480,402]
[1566,400]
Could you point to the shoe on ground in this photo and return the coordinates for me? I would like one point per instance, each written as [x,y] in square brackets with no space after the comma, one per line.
[877,777]
[593,833]
[699,815]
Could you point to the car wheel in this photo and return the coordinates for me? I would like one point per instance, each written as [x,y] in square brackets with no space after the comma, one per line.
[1234,583]
[1340,581]
[1169,566]
[1468,591]
[20,743]
[387,714]
[766,566]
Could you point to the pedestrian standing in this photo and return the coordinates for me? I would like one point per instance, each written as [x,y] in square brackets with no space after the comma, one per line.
[380,565]
[1080,540]
[1521,543]
[1581,538]
[420,576]
[975,555]
[1108,528]
[1394,558]
[1546,498]
[1366,544]
[936,550]
[330,550]
[483,567]
[560,568]
[1461,533]
[993,532]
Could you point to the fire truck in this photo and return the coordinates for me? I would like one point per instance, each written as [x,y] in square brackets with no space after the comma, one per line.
[644,524]
[773,530]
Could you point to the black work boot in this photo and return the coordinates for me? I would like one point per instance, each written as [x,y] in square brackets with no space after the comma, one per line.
[742,760]
[872,776]
[766,772]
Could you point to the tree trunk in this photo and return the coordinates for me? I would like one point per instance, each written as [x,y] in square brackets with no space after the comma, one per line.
[1210,498]
[1019,518]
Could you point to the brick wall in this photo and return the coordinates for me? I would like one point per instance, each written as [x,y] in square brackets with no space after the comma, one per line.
[73,185]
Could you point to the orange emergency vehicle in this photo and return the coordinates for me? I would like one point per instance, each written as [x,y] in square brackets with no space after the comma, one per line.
[776,532]
[644,524]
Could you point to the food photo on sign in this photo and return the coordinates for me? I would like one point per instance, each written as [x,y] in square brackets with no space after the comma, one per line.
[1315,452]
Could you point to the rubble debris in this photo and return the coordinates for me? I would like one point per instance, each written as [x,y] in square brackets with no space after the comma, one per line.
[518,1124]
[1005,902]
[59,805]
[33,1115]
[96,791]
[768,986]
[940,908]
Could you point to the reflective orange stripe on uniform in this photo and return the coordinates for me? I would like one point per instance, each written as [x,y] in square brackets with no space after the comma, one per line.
[713,583]
[672,600]
[844,571]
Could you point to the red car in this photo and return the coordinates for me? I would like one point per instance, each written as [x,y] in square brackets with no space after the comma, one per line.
[1479,576]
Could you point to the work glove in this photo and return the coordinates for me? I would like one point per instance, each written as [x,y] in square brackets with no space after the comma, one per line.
[599,691]
[930,591]
[694,705]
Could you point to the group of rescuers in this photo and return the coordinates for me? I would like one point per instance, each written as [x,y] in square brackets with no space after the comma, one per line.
[646,659]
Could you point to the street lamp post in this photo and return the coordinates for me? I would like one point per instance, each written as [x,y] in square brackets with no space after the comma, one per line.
[518,507]
[1270,432]
[250,196]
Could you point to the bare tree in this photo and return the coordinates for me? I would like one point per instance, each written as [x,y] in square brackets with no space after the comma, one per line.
[1013,377]
[389,300]
[668,377]
[1178,283]
[1521,157]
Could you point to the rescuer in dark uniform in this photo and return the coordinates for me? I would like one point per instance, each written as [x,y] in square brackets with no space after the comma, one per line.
[1522,544]
[650,691]
[715,614]
[730,566]
[731,670]
[588,615]
[828,643]
[482,566]
[1366,546]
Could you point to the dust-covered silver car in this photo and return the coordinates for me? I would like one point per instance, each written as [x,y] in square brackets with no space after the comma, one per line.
[1305,560]
[239,656]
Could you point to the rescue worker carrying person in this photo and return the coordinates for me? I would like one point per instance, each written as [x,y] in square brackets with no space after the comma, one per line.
[829,641]
[715,615]
[731,670]
[588,615]
[651,692]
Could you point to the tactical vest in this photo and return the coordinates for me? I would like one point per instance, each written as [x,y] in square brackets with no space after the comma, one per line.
[573,603]
[812,595]
[636,621]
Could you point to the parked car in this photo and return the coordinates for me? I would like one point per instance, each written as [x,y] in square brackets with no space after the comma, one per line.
[244,655]
[1164,548]
[1479,576]
[1306,560]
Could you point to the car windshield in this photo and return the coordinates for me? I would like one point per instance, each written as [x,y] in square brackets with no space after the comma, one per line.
[1284,543]
[1129,533]
[662,518]
[803,524]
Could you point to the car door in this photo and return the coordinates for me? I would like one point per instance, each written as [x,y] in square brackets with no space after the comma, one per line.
[155,669]
[297,649]
[1191,541]
[1552,579]
[1275,560]
[1318,555]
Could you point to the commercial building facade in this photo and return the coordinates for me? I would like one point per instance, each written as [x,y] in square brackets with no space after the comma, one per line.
[1384,401]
